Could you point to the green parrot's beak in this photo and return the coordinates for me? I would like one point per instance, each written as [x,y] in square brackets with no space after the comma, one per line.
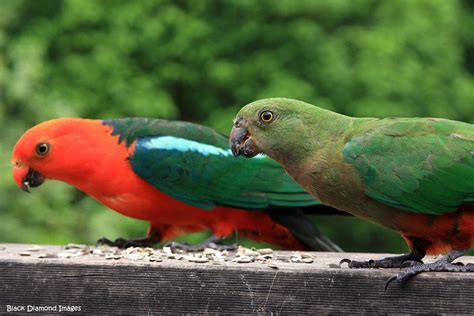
[241,142]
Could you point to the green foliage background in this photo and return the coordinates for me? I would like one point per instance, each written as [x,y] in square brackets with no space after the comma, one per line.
[201,61]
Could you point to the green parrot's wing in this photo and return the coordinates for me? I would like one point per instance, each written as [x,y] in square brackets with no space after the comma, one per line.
[194,164]
[418,165]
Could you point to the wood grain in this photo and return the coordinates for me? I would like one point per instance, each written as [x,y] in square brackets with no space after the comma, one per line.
[134,287]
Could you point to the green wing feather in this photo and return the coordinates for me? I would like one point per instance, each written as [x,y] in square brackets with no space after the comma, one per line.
[418,165]
[193,164]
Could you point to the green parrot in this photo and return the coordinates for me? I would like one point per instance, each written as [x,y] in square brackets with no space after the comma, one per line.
[412,175]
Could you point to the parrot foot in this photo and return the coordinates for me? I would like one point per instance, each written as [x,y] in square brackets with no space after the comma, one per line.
[212,242]
[153,237]
[444,264]
[411,259]
[126,243]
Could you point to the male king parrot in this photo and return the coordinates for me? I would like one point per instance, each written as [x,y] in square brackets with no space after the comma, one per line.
[178,176]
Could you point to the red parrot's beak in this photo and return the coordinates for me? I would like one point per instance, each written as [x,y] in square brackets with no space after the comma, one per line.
[241,142]
[27,178]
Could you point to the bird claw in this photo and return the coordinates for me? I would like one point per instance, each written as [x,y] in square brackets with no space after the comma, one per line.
[359,264]
[385,263]
[444,264]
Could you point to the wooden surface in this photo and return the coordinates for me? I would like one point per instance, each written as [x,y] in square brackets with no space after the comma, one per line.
[96,285]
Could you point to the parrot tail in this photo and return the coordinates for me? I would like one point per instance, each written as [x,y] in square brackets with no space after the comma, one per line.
[303,229]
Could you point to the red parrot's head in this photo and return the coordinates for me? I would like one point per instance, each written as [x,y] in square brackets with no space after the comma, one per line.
[55,149]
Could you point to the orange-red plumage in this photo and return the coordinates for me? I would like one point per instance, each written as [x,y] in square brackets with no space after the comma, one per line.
[444,232]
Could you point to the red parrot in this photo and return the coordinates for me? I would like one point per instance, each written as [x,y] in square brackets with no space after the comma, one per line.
[180,177]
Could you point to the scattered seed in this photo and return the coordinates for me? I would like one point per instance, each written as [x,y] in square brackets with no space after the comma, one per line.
[167,251]
[97,251]
[265,251]
[134,257]
[272,265]
[66,255]
[74,246]
[154,258]
[241,255]
[34,248]
[244,259]
[46,256]
[112,257]
[201,260]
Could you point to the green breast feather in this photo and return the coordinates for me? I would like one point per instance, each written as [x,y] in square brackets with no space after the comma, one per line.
[417,165]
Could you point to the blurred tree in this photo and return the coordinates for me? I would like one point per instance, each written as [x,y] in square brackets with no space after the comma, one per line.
[201,61]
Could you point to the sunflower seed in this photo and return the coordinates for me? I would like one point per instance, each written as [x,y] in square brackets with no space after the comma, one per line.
[66,255]
[112,257]
[265,251]
[272,265]
[244,259]
[134,257]
[46,256]
[35,248]
[201,260]
[74,246]
[154,258]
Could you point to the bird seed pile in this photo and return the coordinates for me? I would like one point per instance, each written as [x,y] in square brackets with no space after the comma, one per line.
[209,255]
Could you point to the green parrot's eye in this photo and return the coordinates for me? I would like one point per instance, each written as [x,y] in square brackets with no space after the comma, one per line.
[266,116]
[42,149]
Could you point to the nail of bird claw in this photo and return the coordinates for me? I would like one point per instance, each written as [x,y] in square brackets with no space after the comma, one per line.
[390,281]
[348,261]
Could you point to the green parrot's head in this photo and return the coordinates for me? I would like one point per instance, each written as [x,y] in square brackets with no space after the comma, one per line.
[268,126]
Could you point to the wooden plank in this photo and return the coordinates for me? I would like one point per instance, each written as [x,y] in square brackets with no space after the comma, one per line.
[96,285]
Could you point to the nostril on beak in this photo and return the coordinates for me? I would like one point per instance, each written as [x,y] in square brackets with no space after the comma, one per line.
[238,122]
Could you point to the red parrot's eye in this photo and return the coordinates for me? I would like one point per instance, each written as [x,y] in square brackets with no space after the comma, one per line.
[42,149]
